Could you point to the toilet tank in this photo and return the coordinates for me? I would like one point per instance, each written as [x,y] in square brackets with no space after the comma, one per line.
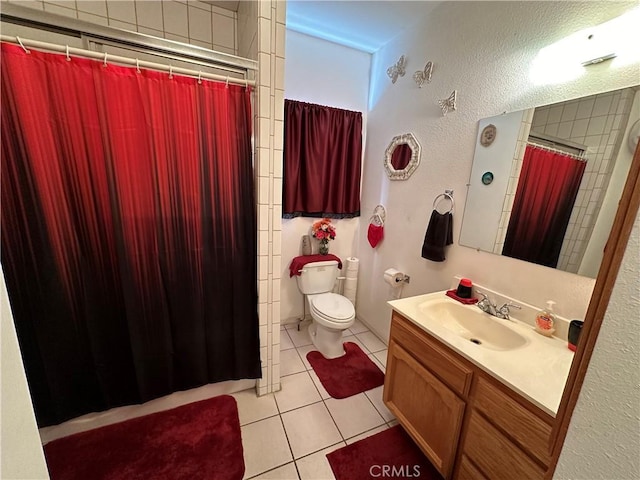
[318,277]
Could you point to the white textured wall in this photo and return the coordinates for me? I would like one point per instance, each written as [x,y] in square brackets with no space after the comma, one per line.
[329,74]
[603,441]
[484,50]
[22,456]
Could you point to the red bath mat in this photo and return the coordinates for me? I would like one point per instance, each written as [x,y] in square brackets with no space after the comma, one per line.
[348,375]
[200,440]
[388,454]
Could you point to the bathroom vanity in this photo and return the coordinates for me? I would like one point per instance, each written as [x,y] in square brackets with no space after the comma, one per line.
[478,396]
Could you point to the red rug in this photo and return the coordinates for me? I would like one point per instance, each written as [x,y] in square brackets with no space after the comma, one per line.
[348,375]
[388,454]
[200,440]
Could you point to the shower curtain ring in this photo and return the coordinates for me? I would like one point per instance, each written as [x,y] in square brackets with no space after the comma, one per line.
[138,66]
[68,57]
[199,77]
[227,82]
[105,60]
[170,71]
[246,83]
[22,45]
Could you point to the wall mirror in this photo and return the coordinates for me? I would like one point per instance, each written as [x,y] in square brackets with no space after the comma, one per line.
[402,156]
[537,209]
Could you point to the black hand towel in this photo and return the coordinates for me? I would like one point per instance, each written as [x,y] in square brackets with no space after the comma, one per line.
[439,235]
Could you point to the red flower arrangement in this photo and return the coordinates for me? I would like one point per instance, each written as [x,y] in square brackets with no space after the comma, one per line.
[324,231]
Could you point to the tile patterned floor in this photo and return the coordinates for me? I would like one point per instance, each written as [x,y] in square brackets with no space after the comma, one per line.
[287,435]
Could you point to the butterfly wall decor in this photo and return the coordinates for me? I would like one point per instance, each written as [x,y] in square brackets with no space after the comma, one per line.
[448,104]
[422,76]
[399,69]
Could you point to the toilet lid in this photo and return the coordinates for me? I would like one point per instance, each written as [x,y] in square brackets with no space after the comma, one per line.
[332,305]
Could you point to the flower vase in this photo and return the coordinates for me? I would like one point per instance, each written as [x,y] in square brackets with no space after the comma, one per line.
[324,247]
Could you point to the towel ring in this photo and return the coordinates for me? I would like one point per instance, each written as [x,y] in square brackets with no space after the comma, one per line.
[377,220]
[379,216]
[448,194]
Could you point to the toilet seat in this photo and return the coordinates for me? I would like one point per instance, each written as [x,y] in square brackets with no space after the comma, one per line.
[332,308]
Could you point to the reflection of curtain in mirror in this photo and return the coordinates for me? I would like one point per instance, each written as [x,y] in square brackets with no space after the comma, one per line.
[547,190]
[401,156]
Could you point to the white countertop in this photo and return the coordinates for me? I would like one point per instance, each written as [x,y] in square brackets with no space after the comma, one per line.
[538,370]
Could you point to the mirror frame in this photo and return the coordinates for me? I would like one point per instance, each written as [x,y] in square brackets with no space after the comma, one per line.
[605,281]
[405,173]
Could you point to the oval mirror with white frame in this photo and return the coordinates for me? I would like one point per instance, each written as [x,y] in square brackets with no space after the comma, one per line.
[402,156]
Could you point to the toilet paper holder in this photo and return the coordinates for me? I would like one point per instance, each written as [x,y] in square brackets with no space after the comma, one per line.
[399,277]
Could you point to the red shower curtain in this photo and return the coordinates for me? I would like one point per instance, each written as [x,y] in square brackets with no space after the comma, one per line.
[547,189]
[128,231]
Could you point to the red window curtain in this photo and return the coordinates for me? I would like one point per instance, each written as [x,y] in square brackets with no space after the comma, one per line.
[128,231]
[322,161]
[547,190]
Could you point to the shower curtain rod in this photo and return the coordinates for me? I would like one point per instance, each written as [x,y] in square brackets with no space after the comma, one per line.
[582,158]
[106,57]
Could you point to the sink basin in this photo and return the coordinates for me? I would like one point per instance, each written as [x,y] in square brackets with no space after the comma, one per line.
[472,324]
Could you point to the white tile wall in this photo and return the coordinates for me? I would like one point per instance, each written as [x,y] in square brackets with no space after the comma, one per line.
[89,17]
[149,15]
[247,27]
[123,11]
[259,32]
[175,18]
[200,25]
[192,22]
[92,6]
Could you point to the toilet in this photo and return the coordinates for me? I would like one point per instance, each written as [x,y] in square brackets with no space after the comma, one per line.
[331,313]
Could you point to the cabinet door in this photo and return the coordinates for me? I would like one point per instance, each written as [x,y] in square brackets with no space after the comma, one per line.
[468,471]
[424,406]
[496,455]
[527,430]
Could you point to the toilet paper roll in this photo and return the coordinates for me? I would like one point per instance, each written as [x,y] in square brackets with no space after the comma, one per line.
[393,277]
[351,281]
[352,263]
[350,284]
[352,266]
[352,298]
[350,292]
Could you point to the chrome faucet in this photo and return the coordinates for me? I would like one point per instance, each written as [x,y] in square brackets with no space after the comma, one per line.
[487,306]
[504,310]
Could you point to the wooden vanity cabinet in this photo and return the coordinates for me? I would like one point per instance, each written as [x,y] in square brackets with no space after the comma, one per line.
[430,412]
[469,425]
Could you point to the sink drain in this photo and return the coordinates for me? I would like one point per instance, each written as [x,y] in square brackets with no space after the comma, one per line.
[476,341]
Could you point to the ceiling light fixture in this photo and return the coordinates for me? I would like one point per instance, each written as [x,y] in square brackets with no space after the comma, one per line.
[597,49]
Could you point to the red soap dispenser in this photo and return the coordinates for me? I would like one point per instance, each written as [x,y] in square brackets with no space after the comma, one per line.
[464,288]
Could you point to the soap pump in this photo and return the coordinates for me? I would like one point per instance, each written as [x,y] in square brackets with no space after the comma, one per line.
[546,320]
